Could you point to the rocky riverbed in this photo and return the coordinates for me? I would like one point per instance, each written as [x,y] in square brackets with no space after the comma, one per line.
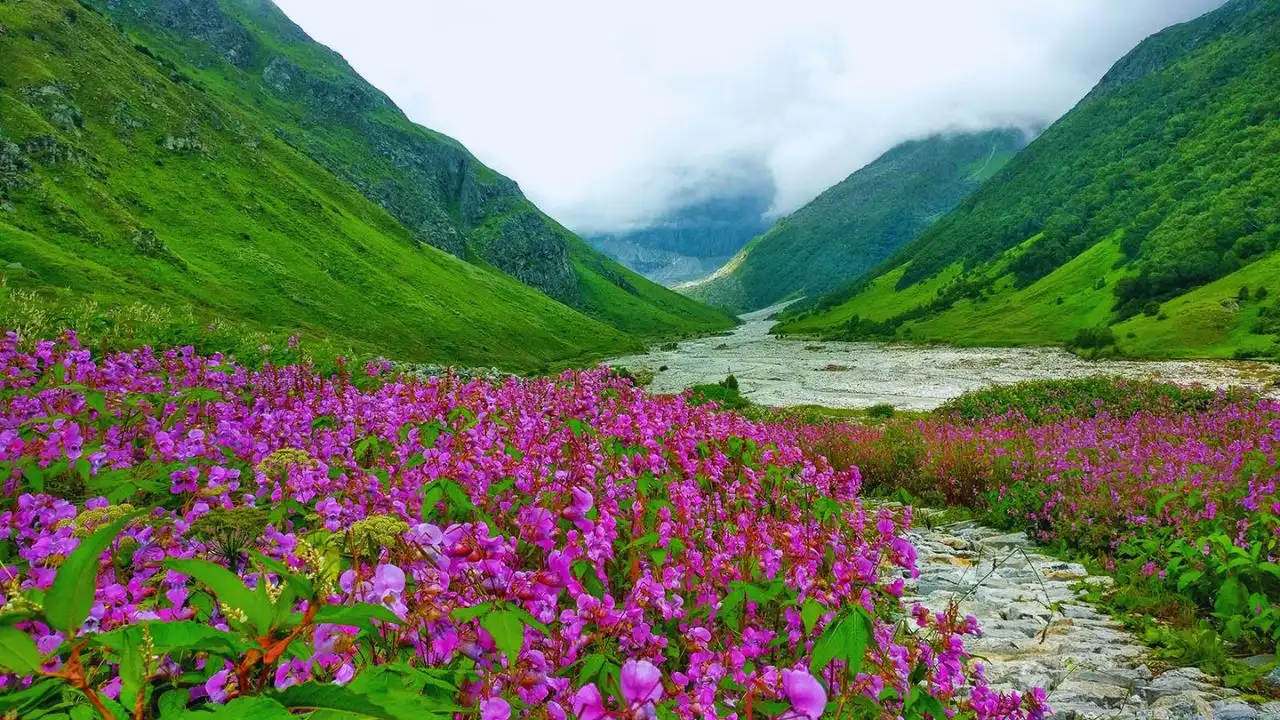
[784,372]
[1038,633]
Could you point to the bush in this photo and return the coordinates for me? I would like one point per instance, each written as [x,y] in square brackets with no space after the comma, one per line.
[1151,309]
[1243,294]
[882,411]
[1043,401]
[1093,338]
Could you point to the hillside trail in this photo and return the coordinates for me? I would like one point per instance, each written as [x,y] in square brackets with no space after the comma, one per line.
[1037,632]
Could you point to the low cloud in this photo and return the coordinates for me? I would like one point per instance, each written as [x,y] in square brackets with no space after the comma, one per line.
[609,114]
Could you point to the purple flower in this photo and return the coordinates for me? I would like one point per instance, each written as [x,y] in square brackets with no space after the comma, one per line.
[221,686]
[805,693]
[495,709]
[587,703]
[641,683]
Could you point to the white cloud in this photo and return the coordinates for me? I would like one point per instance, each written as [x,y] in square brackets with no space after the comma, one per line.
[608,112]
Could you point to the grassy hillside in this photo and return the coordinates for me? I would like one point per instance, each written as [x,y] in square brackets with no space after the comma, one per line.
[856,224]
[1141,210]
[151,156]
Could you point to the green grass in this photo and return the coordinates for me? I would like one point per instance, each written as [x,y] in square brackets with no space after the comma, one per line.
[1208,321]
[880,300]
[1031,315]
[259,227]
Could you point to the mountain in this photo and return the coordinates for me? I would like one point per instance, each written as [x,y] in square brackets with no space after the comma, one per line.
[695,239]
[208,153]
[855,225]
[1148,216]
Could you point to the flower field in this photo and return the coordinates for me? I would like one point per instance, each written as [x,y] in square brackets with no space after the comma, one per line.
[1179,497]
[183,536]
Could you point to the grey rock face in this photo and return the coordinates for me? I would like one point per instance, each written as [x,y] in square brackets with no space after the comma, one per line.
[199,19]
[13,168]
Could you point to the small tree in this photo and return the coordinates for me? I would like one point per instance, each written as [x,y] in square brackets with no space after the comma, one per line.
[1243,295]
[1151,309]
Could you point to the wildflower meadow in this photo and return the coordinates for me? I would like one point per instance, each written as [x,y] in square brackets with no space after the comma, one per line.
[185,536]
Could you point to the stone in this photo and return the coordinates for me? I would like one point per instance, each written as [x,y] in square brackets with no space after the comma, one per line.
[1011,540]
[1232,710]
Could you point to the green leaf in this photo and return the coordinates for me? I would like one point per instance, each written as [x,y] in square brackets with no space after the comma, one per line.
[826,648]
[18,652]
[229,589]
[132,665]
[1187,578]
[1230,599]
[303,587]
[34,476]
[173,703]
[591,666]
[463,614]
[98,401]
[67,603]
[16,702]
[254,707]
[179,636]
[321,696]
[856,633]
[810,613]
[528,619]
[507,631]
[359,615]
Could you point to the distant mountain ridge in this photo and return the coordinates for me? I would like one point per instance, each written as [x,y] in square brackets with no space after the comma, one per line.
[208,152]
[856,224]
[691,241]
[1146,220]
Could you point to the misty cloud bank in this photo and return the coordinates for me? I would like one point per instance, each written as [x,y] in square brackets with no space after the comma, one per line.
[609,115]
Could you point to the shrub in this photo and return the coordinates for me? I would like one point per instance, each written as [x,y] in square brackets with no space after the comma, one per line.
[1093,338]
[882,411]
[1151,309]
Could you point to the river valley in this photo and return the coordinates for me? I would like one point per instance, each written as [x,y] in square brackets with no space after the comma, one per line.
[784,372]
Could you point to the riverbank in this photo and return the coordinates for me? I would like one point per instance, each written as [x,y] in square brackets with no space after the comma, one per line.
[785,372]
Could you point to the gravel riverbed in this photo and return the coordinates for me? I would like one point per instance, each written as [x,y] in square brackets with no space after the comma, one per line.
[783,372]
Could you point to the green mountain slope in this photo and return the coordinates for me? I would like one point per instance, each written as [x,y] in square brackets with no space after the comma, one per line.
[1129,211]
[208,153]
[855,225]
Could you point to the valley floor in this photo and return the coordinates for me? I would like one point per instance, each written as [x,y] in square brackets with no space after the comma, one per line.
[1038,632]
[782,372]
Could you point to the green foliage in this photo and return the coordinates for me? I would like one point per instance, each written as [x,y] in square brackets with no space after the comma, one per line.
[1045,401]
[1169,157]
[882,411]
[1093,339]
[856,224]
[724,393]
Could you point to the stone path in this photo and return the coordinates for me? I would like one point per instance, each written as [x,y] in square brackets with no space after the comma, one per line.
[1038,633]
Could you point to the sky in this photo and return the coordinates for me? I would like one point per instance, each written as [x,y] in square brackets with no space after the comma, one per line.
[610,112]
